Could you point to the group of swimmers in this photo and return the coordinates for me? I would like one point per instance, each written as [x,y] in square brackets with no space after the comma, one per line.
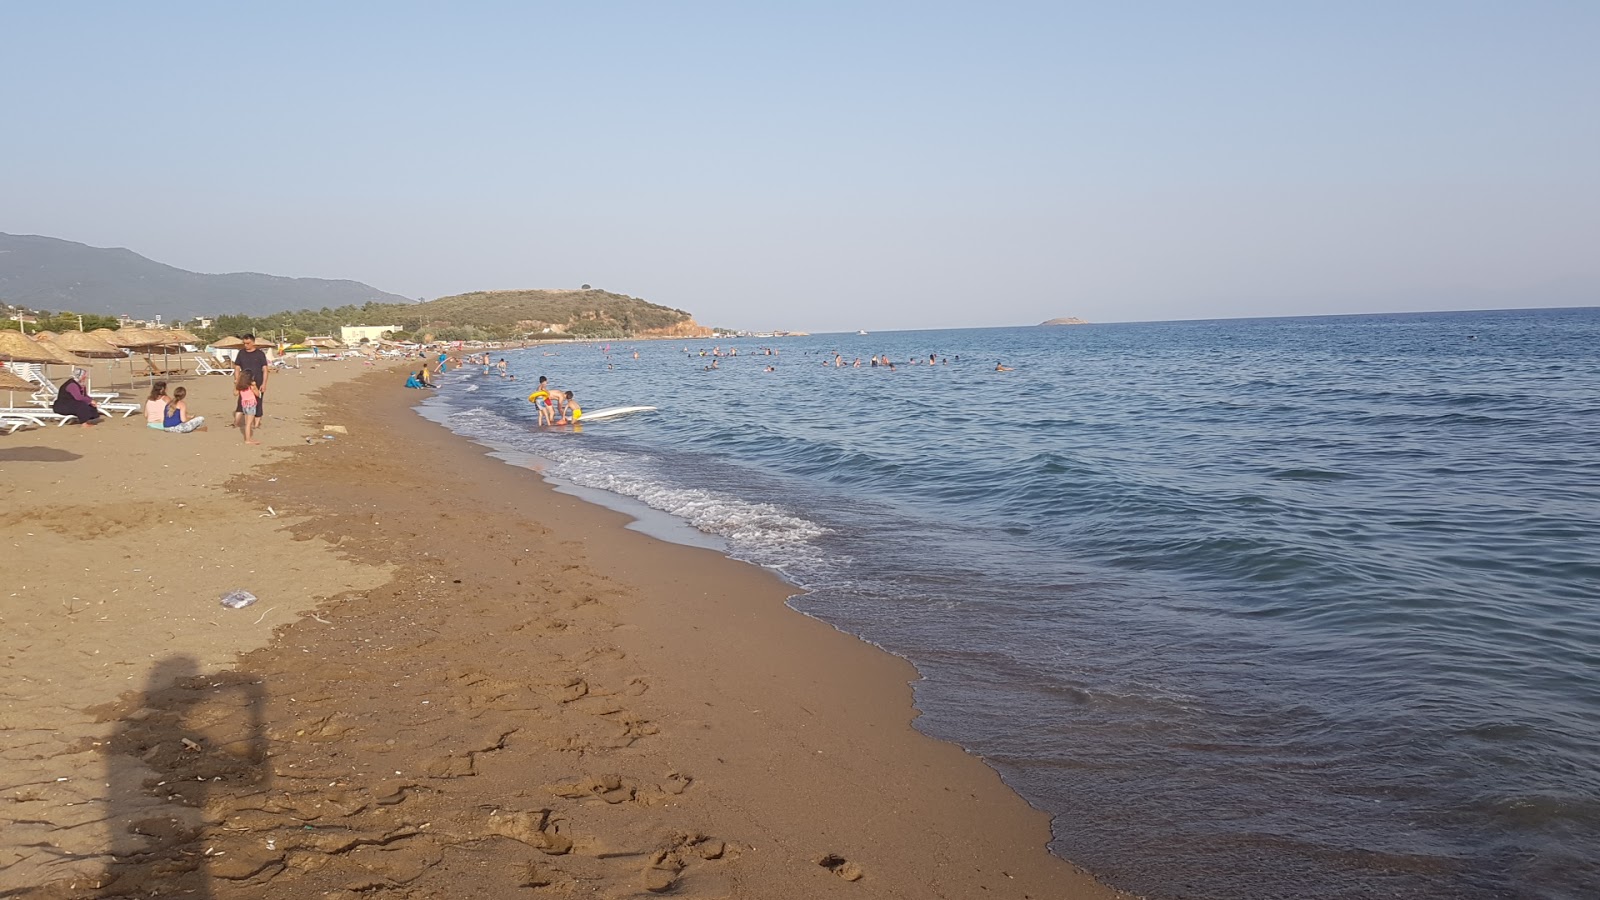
[555,407]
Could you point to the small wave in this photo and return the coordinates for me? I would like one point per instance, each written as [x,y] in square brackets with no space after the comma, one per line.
[760,532]
[1306,474]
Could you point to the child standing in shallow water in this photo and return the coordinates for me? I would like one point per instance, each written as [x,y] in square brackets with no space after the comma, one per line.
[245,386]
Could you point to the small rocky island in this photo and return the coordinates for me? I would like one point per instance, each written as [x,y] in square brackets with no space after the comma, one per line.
[1068,320]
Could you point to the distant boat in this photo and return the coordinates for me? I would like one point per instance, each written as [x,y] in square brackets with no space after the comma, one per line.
[861,332]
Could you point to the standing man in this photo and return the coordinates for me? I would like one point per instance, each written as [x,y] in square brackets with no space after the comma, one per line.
[252,360]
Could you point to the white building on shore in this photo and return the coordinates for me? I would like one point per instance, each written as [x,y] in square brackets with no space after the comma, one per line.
[353,334]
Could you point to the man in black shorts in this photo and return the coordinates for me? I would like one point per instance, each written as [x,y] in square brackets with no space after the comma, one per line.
[252,360]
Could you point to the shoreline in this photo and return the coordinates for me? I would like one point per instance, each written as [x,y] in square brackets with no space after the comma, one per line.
[564,703]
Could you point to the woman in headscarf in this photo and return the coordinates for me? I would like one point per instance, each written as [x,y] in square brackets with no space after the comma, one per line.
[73,400]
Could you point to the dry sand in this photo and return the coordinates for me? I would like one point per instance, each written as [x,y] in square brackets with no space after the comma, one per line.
[477,687]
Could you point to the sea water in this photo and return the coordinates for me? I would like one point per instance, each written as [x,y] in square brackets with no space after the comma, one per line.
[1264,608]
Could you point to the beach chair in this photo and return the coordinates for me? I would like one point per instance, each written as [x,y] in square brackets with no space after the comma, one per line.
[35,416]
[47,388]
[45,396]
[205,366]
[12,423]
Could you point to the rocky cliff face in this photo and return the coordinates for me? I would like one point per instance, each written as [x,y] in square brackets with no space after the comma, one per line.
[688,328]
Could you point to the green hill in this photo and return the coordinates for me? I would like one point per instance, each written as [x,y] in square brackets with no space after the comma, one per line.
[486,316]
[581,313]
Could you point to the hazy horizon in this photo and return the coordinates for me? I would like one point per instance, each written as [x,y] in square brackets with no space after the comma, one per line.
[838,166]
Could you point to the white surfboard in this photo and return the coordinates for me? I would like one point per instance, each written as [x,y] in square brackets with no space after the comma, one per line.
[613,412]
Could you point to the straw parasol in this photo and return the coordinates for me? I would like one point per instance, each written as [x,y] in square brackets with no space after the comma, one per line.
[81,344]
[44,335]
[140,339]
[134,338]
[16,347]
[228,343]
[11,382]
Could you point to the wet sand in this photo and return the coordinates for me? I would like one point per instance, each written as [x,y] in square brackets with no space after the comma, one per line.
[478,687]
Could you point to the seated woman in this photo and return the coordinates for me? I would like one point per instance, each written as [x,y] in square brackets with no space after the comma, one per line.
[155,408]
[412,382]
[73,400]
[177,417]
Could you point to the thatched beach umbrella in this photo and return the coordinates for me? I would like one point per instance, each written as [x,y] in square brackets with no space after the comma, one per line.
[133,338]
[138,339]
[11,382]
[89,346]
[17,347]
[44,335]
[80,343]
[228,343]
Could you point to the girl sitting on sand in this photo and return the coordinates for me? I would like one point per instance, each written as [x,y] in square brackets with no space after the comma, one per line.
[245,386]
[155,408]
[177,418]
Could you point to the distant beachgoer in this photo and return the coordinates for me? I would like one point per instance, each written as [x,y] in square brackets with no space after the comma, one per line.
[155,407]
[874,362]
[244,386]
[1000,368]
[857,363]
[635,354]
[771,369]
[73,400]
[412,382]
[932,357]
[177,418]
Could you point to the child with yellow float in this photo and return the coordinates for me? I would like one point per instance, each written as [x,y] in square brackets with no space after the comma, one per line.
[555,407]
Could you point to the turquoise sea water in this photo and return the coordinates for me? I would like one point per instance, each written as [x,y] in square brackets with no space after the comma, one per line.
[1265,608]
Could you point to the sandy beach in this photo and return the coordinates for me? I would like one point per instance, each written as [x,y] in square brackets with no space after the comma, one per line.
[457,682]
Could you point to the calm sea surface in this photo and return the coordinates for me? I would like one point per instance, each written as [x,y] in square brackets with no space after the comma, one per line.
[1267,608]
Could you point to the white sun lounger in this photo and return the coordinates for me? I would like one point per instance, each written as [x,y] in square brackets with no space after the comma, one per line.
[45,396]
[39,417]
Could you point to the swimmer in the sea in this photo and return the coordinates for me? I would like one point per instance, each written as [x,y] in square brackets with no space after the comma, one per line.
[1001,368]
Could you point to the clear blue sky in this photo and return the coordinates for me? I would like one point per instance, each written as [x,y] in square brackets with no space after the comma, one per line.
[832,166]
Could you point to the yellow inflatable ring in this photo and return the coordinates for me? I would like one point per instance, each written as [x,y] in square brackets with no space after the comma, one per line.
[534,397]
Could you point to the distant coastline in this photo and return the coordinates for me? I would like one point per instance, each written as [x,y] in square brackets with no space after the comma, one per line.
[1065,320]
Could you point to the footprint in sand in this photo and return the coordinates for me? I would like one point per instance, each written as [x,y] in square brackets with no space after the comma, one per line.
[841,867]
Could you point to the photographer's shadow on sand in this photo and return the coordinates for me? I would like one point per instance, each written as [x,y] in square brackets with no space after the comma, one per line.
[180,741]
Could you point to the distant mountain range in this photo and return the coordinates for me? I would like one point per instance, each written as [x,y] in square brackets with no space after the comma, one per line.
[45,273]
